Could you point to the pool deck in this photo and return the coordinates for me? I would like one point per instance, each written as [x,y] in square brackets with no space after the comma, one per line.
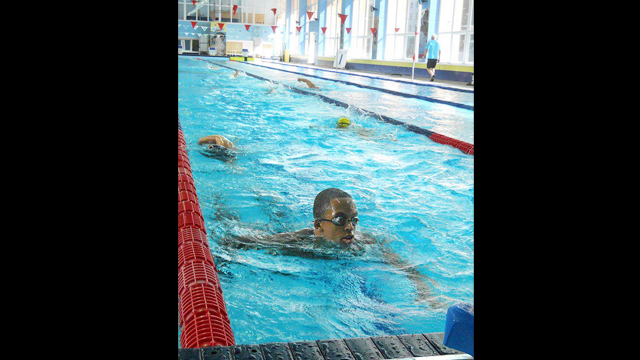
[405,347]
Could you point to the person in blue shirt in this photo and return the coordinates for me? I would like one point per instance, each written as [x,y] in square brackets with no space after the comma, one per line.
[432,54]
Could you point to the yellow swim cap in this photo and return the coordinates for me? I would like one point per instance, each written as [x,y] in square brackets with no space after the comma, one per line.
[344,122]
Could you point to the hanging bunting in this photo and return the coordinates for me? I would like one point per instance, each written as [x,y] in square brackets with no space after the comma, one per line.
[298,28]
[221,26]
[348,30]
[343,17]
[247,27]
[397,29]
[310,14]
[274,29]
[374,31]
[274,11]
[194,24]
[324,30]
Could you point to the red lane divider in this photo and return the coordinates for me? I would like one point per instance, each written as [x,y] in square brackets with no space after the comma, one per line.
[460,145]
[202,311]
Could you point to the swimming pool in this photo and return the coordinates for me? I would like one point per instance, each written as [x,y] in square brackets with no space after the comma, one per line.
[415,196]
[445,110]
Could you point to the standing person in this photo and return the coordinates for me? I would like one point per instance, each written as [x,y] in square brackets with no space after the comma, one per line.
[432,54]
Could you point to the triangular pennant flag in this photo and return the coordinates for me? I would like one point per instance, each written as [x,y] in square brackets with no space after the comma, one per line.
[247,27]
[274,29]
[221,26]
[348,30]
[374,31]
[310,14]
[343,17]
[298,28]
[235,8]
[324,30]
[274,11]
[397,29]
[193,24]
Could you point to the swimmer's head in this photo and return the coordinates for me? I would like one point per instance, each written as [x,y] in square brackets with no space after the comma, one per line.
[218,147]
[218,152]
[344,122]
[336,217]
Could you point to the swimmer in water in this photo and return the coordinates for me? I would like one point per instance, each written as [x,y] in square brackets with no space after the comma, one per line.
[343,123]
[335,222]
[218,147]
[346,124]
[309,83]
[238,72]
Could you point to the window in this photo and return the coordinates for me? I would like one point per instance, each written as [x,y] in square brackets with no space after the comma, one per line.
[281,17]
[361,35]
[198,12]
[403,16]
[456,31]
[334,23]
[312,6]
[294,22]
[246,11]
[254,11]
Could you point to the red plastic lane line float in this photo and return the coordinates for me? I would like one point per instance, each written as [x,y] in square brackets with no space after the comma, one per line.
[202,311]
[461,145]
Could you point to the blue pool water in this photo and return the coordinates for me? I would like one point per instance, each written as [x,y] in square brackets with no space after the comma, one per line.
[414,196]
[451,121]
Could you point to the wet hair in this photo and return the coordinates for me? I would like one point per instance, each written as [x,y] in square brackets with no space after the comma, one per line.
[323,201]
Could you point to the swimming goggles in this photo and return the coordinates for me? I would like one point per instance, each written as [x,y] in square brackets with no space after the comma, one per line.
[342,220]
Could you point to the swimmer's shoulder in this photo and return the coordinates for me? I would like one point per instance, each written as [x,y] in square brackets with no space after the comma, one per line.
[292,237]
[365,239]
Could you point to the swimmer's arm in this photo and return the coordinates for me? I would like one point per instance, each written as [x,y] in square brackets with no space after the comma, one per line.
[288,239]
[422,283]
[288,244]
[309,83]
[276,241]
